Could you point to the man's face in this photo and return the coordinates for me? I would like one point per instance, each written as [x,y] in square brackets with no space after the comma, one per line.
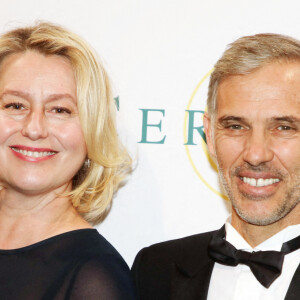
[255,138]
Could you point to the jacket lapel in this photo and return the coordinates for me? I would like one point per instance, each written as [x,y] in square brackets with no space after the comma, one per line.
[293,292]
[191,284]
[191,273]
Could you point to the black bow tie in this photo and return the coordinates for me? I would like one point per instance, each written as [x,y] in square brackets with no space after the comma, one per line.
[265,265]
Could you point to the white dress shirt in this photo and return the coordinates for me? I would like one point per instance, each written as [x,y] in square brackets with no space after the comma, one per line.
[238,283]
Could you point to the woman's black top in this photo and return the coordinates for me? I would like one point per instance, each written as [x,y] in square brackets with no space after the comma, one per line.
[76,265]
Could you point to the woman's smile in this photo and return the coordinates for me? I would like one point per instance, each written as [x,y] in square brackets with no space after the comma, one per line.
[31,154]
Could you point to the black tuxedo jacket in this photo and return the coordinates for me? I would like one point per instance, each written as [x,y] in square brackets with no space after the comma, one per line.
[181,270]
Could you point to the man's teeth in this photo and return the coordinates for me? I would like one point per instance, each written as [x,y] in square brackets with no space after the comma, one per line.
[260,181]
[33,153]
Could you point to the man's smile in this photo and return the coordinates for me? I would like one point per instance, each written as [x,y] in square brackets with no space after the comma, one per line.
[260,182]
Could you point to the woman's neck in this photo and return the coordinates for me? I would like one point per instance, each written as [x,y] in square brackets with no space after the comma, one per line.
[27,219]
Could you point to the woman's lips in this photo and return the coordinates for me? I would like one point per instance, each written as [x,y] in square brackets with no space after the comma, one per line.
[32,154]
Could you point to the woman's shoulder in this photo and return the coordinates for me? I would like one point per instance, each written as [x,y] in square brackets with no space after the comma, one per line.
[83,244]
[106,279]
[91,244]
[100,269]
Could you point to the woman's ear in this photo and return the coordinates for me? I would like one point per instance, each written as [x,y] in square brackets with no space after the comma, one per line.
[208,128]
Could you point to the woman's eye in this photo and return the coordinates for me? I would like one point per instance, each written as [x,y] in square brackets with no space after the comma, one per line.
[16,106]
[61,110]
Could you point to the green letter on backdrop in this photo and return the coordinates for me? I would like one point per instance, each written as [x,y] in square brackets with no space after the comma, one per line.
[191,127]
[145,126]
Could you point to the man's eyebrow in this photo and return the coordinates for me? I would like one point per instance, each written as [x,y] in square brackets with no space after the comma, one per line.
[27,95]
[290,119]
[227,118]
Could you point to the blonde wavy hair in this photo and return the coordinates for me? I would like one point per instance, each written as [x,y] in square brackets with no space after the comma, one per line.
[96,182]
[247,54]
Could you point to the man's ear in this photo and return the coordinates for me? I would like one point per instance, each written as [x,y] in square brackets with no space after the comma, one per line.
[208,128]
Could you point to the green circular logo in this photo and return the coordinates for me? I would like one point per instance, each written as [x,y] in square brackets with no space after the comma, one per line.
[193,126]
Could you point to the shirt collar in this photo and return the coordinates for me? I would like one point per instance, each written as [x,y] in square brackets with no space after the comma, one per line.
[273,243]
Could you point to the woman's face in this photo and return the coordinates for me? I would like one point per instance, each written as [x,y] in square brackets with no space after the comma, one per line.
[41,141]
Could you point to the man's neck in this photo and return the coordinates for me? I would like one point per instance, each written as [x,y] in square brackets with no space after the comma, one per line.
[256,234]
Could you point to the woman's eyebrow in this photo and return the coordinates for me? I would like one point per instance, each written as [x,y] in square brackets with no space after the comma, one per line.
[60,96]
[15,93]
[25,95]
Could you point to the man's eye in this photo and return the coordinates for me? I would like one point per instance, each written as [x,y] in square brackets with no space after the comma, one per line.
[61,110]
[285,128]
[16,106]
[235,127]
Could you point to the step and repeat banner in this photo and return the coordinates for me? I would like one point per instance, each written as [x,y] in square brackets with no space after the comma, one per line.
[159,55]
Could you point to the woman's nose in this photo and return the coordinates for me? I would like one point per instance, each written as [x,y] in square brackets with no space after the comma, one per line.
[35,126]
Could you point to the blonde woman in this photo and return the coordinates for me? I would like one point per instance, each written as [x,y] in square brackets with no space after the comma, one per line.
[60,163]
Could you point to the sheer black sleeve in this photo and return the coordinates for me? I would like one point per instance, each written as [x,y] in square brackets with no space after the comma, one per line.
[105,279]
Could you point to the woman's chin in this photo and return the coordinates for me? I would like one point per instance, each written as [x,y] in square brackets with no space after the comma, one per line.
[37,187]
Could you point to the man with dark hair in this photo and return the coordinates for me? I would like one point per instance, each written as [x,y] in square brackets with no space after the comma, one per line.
[253,133]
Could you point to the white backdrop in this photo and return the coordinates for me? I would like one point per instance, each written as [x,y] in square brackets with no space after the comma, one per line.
[157,53]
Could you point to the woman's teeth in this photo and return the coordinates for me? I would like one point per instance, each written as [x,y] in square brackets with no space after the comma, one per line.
[33,153]
[260,181]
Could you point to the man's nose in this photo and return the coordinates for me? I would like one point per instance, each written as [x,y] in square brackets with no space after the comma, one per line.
[35,126]
[258,149]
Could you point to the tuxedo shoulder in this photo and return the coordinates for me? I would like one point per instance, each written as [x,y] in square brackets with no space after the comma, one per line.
[174,250]
[189,243]
[154,265]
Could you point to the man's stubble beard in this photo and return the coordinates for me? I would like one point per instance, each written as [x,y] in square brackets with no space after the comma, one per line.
[290,201]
